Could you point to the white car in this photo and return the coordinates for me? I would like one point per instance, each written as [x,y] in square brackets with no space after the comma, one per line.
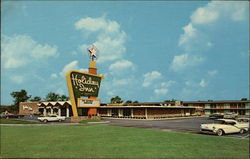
[51,117]
[224,126]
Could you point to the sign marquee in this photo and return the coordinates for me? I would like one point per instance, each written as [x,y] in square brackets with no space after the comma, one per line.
[86,102]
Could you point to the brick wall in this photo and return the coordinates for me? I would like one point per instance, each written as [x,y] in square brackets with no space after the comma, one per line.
[139,112]
[159,112]
[27,108]
[103,112]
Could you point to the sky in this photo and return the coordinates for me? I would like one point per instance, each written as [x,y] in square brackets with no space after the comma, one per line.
[148,51]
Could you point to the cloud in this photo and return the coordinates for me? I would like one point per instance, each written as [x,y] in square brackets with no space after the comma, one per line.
[71,66]
[109,37]
[53,75]
[203,83]
[168,83]
[205,15]
[161,91]
[209,44]
[212,73]
[188,83]
[150,78]
[20,50]
[121,66]
[185,61]
[189,33]
[17,78]
[195,39]
[163,87]
[211,13]
[97,24]
[214,10]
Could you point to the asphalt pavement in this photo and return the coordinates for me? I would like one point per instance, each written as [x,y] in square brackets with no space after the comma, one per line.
[188,125]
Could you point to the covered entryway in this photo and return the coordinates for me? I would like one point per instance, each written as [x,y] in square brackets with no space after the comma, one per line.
[127,112]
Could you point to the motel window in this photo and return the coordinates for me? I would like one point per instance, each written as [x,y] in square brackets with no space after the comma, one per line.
[213,105]
[207,105]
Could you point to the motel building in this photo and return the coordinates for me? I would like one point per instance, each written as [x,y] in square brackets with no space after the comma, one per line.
[139,110]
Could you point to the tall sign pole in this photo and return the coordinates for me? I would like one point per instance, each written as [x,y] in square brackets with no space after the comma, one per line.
[84,88]
[92,70]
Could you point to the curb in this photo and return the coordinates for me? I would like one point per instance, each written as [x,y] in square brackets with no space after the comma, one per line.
[103,122]
[170,118]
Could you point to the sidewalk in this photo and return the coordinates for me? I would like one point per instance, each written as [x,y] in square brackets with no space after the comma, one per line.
[47,124]
[168,118]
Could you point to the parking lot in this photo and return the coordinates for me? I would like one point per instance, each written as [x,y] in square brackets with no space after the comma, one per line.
[188,125]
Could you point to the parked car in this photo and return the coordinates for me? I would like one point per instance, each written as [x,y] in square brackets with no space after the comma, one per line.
[246,120]
[230,116]
[7,116]
[216,116]
[224,126]
[3,115]
[51,117]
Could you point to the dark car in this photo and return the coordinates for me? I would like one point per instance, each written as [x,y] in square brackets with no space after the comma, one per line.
[230,116]
[216,116]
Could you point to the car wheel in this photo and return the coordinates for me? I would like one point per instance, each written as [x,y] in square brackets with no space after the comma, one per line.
[220,132]
[60,120]
[242,131]
[45,121]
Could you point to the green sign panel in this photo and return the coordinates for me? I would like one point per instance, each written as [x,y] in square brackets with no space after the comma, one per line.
[85,84]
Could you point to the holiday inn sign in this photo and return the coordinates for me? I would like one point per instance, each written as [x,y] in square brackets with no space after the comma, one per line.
[82,86]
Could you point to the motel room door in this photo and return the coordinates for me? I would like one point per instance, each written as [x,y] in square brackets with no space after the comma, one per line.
[127,112]
[114,112]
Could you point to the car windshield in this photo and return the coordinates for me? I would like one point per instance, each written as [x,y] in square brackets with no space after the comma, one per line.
[219,121]
[224,122]
[230,123]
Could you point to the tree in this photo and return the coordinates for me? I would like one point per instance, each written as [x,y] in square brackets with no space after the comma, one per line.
[116,99]
[63,98]
[21,96]
[36,99]
[52,97]
[10,109]
[128,101]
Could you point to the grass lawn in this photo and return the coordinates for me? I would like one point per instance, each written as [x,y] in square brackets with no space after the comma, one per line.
[102,141]
[13,121]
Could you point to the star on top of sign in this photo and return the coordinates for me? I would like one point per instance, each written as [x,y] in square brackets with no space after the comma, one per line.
[93,52]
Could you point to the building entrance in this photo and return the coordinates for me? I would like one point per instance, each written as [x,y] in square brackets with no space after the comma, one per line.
[126,112]
[114,112]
